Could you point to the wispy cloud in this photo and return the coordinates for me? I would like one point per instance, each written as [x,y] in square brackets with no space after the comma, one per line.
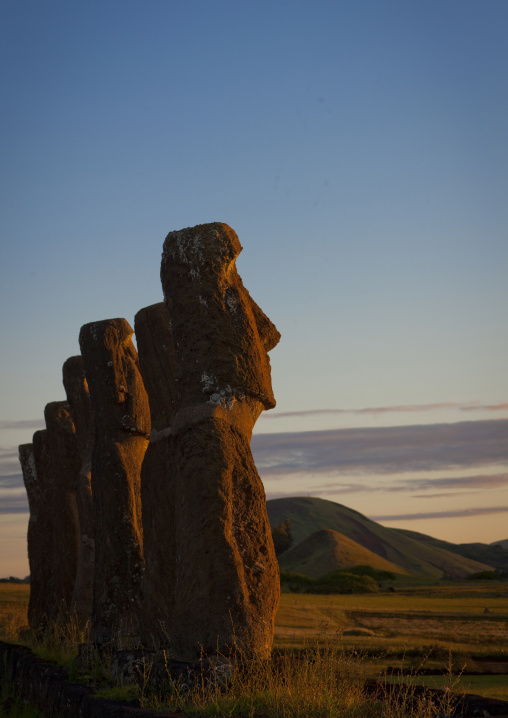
[485,407]
[10,470]
[11,481]
[383,450]
[403,408]
[8,453]
[13,498]
[455,485]
[482,481]
[457,513]
[26,424]
[13,502]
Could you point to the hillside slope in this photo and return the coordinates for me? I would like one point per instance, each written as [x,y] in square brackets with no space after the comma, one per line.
[327,550]
[309,514]
[495,555]
[503,543]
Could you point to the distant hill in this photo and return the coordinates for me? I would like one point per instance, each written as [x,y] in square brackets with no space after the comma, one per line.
[504,543]
[308,515]
[495,555]
[327,550]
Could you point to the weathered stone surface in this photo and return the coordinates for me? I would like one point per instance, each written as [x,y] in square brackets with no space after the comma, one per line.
[122,427]
[41,606]
[157,361]
[65,463]
[55,545]
[76,388]
[159,370]
[35,534]
[226,573]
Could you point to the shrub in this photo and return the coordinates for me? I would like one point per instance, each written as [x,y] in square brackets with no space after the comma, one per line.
[484,576]
[345,582]
[376,573]
[282,537]
[334,582]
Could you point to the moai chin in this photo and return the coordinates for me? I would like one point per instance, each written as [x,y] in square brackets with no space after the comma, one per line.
[78,397]
[122,426]
[226,574]
[157,361]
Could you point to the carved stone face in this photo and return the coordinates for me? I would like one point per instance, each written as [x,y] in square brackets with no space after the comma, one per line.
[221,335]
[116,388]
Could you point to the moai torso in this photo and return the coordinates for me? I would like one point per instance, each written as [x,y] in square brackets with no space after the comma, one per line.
[55,550]
[122,426]
[65,465]
[35,535]
[157,362]
[78,397]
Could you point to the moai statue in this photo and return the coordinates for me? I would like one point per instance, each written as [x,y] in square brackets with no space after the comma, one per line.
[226,574]
[56,548]
[65,464]
[76,388]
[37,548]
[122,427]
[157,361]
[41,606]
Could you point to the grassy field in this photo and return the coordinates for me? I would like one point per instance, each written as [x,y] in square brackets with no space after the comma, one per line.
[474,616]
[490,686]
[13,610]
[449,628]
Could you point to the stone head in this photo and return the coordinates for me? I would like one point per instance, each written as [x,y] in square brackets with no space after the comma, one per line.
[221,335]
[112,371]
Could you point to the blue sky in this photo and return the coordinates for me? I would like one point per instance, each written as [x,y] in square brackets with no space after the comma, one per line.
[360,152]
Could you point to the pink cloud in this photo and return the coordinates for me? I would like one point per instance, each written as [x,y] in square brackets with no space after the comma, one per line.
[402,408]
[383,450]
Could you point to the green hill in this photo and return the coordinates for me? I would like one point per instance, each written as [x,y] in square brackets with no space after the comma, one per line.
[326,550]
[495,555]
[420,558]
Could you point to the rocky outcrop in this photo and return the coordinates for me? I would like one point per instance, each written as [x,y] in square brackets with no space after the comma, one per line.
[78,397]
[122,427]
[159,370]
[226,573]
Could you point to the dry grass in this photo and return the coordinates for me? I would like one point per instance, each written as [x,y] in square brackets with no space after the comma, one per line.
[13,610]
[411,630]
[321,682]
[472,618]
[488,686]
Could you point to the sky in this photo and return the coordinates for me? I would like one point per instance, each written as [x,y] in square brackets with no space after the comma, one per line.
[360,152]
